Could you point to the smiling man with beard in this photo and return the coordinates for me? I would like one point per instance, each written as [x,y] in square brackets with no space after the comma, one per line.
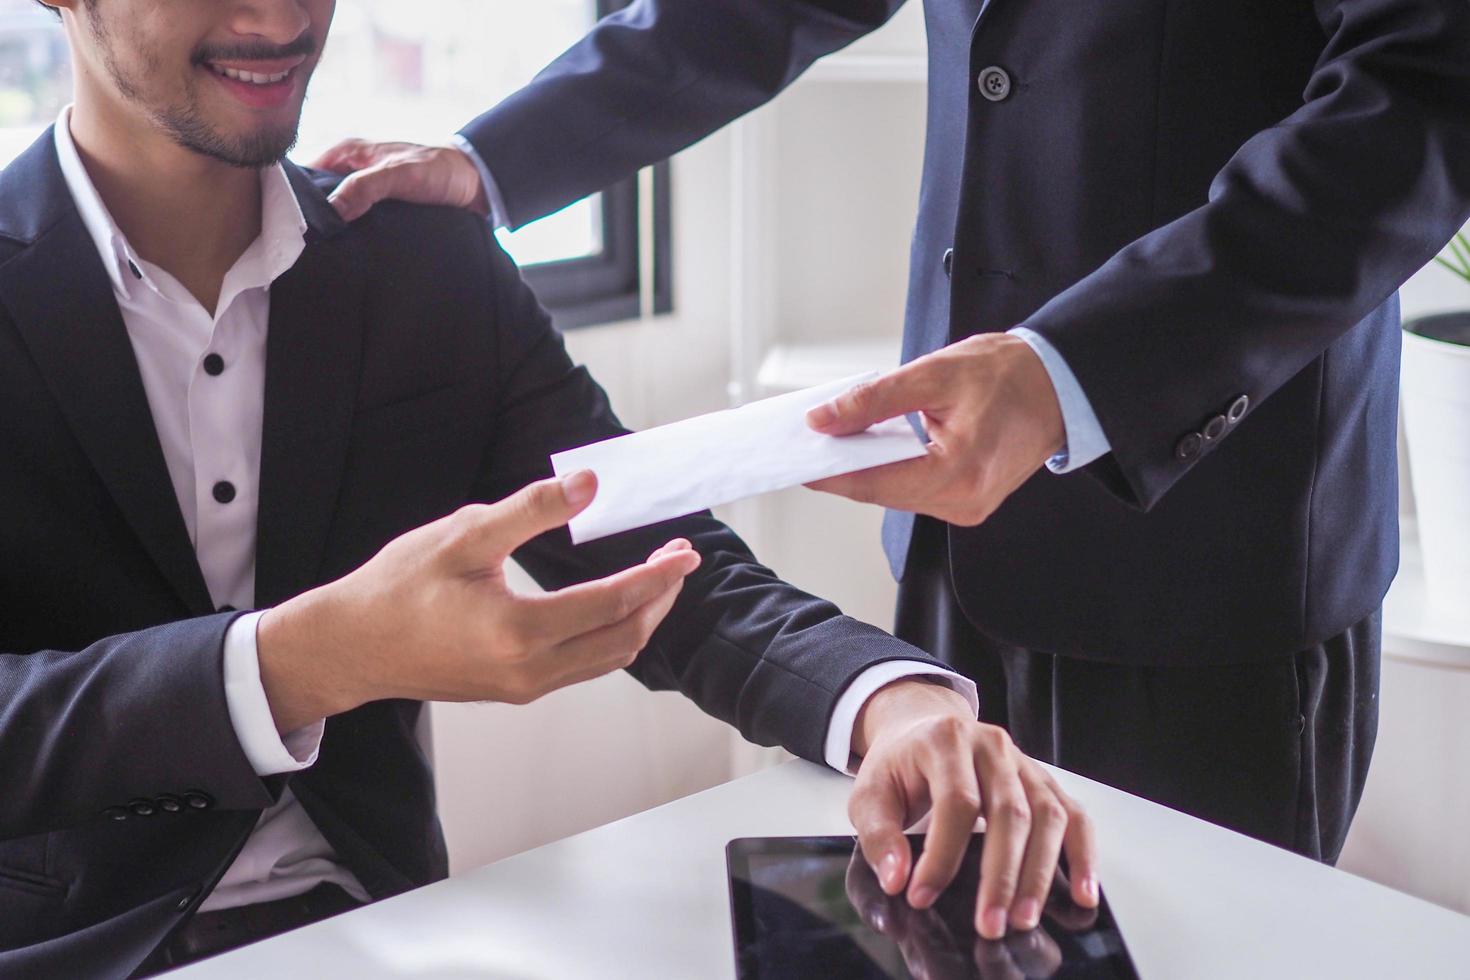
[220,397]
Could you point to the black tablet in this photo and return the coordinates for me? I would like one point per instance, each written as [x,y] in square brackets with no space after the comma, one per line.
[810,907]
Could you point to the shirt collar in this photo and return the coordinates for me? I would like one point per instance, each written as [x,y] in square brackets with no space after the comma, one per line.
[282,227]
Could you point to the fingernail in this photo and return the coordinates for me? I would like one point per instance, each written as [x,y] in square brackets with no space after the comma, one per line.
[1028,913]
[888,872]
[821,416]
[923,897]
[1089,888]
[993,923]
[579,487]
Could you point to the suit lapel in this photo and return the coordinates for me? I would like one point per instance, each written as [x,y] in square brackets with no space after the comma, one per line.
[313,356]
[63,305]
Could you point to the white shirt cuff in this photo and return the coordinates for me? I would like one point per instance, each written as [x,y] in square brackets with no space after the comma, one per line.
[1085,439]
[498,217]
[250,712]
[838,749]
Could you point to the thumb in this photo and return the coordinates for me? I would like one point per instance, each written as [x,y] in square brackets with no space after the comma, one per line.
[866,404]
[494,532]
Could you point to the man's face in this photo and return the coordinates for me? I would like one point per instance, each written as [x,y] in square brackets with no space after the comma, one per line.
[224,78]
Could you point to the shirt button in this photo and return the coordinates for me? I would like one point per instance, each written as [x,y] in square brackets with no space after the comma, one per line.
[994,83]
[224,491]
[214,365]
[133,268]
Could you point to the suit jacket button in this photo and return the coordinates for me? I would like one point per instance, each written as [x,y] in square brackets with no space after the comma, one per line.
[198,800]
[142,808]
[1238,408]
[118,813]
[1189,446]
[994,83]
[169,803]
[948,262]
[1214,428]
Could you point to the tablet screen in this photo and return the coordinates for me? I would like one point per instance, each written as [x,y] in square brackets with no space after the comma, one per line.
[811,907]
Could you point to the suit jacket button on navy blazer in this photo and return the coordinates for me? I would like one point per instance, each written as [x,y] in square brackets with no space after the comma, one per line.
[995,83]
[1189,446]
[948,262]
[1238,408]
[198,800]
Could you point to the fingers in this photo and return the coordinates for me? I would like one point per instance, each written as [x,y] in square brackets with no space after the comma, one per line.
[955,792]
[1080,845]
[909,389]
[347,156]
[356,195]
[878,813]
[485,535]
[581,610]
[1008,824]
[1038,868]
[906,485]
[611,647]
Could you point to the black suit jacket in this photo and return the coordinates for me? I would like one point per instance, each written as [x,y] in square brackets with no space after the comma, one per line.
[1193,200]
[409,371]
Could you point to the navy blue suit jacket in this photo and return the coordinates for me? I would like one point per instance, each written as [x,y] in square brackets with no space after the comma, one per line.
[409,371]
[1192,200]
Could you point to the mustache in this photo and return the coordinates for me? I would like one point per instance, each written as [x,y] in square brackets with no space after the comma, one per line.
[304,46]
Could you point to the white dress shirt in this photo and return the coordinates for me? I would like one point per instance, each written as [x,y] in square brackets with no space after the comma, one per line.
[204,377]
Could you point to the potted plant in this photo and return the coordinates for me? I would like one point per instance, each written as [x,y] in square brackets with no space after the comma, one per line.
[1436,400]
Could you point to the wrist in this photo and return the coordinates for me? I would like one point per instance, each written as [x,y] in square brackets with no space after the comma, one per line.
[1035,390]
[300,646]
[905,702]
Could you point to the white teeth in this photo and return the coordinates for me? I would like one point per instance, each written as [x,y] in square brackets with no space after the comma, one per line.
[253,78]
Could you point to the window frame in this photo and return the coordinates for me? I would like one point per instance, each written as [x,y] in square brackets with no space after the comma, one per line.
[607,287]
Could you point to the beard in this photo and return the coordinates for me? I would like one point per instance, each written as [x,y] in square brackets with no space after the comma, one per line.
[252,151]
[184,121]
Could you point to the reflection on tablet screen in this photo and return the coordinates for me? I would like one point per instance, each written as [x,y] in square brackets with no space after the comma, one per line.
[811,907]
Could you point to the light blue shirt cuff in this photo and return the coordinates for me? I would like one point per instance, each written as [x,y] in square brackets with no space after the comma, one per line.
[498,218]
[1085,439]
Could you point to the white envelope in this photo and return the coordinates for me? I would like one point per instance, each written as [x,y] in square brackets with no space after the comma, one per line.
[714,459]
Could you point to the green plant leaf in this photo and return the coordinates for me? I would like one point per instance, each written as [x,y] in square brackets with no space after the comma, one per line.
[1462,273]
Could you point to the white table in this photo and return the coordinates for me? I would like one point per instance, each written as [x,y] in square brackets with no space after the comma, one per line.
[646,897]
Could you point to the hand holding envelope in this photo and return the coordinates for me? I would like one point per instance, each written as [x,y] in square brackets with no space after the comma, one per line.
[685,467]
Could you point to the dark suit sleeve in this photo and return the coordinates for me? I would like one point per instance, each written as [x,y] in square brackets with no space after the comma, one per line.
[129,718]
[648,81]
[1311,226]
[745,646]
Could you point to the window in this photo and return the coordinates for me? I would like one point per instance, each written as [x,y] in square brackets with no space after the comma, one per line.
[416,71]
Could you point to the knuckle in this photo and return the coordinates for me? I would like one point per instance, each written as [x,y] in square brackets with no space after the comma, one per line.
[995,740]
[1013,811]
[1048,811]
